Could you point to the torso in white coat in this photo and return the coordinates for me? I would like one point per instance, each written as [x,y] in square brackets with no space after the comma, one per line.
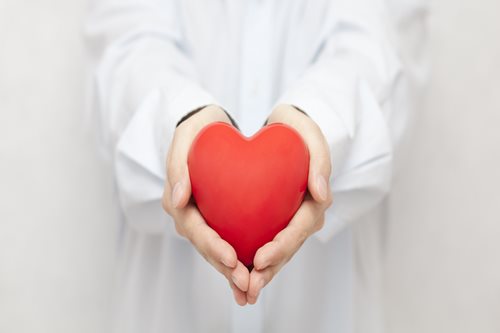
[157,60]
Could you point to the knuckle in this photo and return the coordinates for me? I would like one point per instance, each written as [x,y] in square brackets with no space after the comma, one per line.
[190,235]
[204,254]
[281,252]
[165,203]
[193,235]
[302,236]
[179,230]
[299,235]
[329,201]
[274,270]
[207,251]
[320,224]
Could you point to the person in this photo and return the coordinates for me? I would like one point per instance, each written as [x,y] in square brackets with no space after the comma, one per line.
[333,71]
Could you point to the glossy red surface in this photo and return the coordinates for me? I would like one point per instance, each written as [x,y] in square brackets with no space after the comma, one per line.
[248,189]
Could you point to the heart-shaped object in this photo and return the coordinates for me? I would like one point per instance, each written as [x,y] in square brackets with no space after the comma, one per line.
[248,189]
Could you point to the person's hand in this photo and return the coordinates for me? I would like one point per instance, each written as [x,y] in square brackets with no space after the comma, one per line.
[310,216]
[188,221]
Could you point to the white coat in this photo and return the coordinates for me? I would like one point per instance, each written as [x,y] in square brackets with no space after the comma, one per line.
[339,61]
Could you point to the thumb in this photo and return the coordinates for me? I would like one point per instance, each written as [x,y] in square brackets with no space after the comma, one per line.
[177,167]
[319,169]
[178,183]
[319,151]
[318,183]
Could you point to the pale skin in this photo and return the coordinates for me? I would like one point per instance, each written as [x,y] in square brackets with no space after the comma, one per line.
[271,257]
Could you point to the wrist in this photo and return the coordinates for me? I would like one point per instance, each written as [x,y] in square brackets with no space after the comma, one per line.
[284,112]
[213,113]
[208,114]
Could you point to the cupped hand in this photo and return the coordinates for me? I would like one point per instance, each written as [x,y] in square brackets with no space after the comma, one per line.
[310,216]
[188,221]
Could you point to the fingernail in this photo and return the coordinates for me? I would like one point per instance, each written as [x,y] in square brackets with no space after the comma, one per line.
[177,194]
[225,262]
[263,264]
[322,187]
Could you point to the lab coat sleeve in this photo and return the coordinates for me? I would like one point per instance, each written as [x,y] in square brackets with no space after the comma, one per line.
[347,91]
[144,83]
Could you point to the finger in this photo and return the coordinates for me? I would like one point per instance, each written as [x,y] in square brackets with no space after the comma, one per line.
[271,257]
[240,276]
[239,296]
[319,162]
[289,240]
[258,280]
[303,223]
[177,170]
[268,254]
[319,153]
[185,133]
[167,198]
[205,239]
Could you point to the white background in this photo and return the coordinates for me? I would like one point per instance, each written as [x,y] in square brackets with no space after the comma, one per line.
[56,212]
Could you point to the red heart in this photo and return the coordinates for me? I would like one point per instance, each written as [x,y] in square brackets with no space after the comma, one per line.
[248,189]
